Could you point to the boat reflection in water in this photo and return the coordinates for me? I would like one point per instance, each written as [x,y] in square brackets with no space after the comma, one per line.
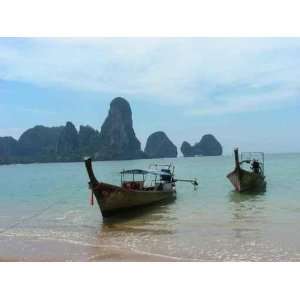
[248,214]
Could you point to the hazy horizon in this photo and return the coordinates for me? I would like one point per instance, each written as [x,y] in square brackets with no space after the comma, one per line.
[244,91]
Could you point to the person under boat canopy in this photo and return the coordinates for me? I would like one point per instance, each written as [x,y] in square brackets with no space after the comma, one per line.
[166,175]
[255,166]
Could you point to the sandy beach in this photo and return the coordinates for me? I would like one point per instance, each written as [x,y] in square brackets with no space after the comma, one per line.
[28,250]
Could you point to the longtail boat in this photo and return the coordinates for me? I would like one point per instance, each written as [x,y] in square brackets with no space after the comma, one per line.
[134,192]
[252,178]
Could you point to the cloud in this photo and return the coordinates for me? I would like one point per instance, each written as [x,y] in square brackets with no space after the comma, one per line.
[203,75]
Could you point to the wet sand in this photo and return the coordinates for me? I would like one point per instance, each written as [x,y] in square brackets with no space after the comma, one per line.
[28,250]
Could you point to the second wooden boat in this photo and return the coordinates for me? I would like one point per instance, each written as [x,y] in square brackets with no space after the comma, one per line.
[248,180]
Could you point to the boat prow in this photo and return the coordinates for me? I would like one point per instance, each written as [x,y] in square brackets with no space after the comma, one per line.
[244,180]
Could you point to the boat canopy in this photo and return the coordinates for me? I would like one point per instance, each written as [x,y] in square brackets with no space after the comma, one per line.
[145,172]
[250,156]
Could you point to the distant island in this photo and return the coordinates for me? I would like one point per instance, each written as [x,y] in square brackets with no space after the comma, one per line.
[115,141]
[160,146]
[208,146]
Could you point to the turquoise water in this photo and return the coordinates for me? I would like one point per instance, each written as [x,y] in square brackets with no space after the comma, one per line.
[212,223]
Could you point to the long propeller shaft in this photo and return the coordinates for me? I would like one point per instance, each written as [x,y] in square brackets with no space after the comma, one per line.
[194,182]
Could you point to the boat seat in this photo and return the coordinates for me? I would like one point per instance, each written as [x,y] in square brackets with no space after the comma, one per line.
[133,185]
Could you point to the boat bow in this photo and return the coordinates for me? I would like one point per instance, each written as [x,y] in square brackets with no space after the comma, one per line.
[89,168]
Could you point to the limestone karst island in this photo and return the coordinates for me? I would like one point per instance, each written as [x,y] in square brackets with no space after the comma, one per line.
[115,141]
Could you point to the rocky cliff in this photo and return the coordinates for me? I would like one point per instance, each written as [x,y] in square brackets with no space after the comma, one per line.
[39,144]
[159,146]
[208,146]
[117,138]
[89,142]
[68,144]
[186,149]
[9,149]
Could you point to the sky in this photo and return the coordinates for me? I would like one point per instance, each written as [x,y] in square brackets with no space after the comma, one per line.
[245,91]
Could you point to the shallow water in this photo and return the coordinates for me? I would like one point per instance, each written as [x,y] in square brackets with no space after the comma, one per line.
[212,223]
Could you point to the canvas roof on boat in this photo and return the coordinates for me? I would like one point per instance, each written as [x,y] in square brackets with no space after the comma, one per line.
[144,172]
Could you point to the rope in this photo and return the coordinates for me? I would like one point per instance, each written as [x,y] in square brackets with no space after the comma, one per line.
[92,198]
[35,215]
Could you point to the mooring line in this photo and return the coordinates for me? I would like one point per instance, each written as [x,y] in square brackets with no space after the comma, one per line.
[37,214]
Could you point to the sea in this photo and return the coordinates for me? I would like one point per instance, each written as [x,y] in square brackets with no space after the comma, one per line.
[45,214]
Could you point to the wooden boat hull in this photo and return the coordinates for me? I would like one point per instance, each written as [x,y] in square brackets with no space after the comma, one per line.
[244,181]
[113,200]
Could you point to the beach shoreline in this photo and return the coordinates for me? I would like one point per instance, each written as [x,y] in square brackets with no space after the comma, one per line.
[48,250]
